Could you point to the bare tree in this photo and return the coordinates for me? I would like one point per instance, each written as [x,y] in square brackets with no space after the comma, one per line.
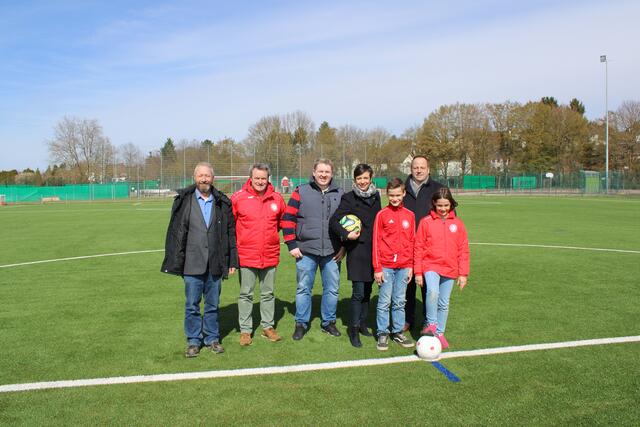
[626,142]
[300,130]
[437,136]
[301,127]
[627,116]
[352,143]
[264,140]
[132,158]
[81,145]
[504,122]
[376,139]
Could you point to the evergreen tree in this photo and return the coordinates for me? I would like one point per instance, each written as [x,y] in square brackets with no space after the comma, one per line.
[577,106]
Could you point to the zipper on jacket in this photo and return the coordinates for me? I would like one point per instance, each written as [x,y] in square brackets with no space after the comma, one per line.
[322,225]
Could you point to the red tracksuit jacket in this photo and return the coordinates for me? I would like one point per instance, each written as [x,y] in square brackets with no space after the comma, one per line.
[393,233]
[441,246]
[257,226]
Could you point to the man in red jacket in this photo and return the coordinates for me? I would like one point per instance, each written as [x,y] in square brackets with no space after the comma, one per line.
[257,209]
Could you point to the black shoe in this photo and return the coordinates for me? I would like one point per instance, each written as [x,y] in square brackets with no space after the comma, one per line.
[354,336]
[299,332]
[330,328]
[365,331]
[192,351]
[216,347]
[402,340]
[383,342]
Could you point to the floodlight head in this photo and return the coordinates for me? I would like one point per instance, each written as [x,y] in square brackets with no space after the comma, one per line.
[603,58]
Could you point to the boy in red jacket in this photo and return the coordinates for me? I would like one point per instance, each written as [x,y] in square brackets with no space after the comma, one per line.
[393,233]
[258,210]
[442,254]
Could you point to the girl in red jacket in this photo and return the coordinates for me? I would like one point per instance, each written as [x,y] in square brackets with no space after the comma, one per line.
[441,255]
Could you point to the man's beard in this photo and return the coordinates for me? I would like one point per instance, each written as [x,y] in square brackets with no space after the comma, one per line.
[204,187]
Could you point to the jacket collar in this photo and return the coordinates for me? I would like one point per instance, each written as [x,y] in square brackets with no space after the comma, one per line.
[249,189]
[332,185]
[434,215]
[409,187]
[218,196]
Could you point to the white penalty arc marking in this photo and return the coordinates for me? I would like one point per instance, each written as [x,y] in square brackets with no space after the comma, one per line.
[44,261]
[303,368]
[524,245]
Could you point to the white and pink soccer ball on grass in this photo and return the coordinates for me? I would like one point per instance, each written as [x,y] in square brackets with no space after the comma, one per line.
[428,348]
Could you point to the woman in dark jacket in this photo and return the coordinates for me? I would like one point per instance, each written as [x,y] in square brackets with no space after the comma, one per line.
[364,202]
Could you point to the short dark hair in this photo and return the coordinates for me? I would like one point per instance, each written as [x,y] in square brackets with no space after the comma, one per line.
[362,168]
[395,183]
[443,193]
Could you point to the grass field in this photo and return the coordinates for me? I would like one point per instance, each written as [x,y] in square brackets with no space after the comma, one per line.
[119,316]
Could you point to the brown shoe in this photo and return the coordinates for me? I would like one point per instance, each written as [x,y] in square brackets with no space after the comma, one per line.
[192,351]
[271,335]
[216,347]
[245,339]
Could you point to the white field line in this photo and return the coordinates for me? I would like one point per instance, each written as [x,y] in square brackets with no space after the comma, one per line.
[66,211]
[302,368]
[80,257]
[524,245]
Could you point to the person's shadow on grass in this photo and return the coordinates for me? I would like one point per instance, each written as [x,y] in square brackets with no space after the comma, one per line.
[228,315]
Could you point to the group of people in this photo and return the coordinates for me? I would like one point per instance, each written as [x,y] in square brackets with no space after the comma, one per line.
[415,241]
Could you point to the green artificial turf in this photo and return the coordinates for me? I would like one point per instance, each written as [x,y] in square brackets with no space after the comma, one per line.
[118,315]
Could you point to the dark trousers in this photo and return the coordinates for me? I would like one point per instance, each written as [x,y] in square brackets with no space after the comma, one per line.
[410,306]
[359,306]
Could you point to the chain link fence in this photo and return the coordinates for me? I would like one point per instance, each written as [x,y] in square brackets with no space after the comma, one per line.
[162,181]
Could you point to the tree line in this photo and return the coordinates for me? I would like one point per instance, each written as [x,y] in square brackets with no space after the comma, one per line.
[477,139]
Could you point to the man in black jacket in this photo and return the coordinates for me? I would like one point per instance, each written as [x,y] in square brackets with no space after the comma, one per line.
[419,190]
[201,247]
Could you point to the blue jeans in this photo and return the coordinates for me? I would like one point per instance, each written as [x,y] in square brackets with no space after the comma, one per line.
[392,294]
[437,300]
[201,329]
[306,274]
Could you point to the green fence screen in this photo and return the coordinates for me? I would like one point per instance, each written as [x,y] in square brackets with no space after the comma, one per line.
[479,182]
[523,182]
[29,193]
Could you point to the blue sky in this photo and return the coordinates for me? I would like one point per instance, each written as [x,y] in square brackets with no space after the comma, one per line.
[210,69]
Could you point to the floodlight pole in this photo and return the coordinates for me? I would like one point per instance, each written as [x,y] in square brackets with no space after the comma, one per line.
[160,188]
[603,58]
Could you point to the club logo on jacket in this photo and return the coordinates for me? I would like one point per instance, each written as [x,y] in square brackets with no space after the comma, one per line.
[453,228]
[274,207]
[405,224]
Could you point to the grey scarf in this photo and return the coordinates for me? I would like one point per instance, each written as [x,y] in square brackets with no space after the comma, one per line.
[365,194]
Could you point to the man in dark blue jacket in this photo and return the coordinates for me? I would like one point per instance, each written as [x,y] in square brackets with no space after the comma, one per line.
[201,247]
